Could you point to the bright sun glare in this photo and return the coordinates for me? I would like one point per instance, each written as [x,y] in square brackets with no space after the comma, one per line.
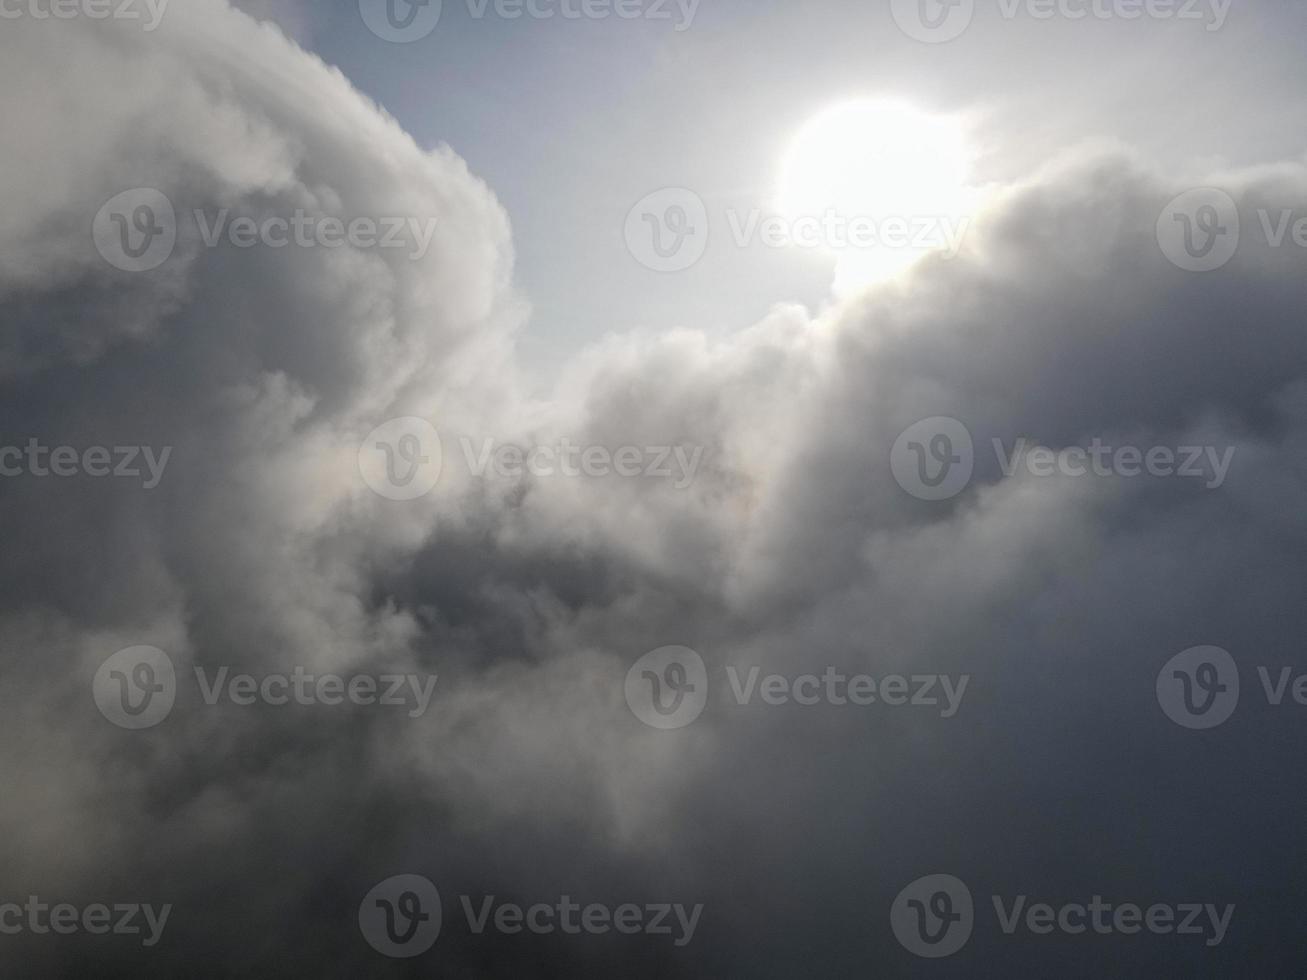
[864,169]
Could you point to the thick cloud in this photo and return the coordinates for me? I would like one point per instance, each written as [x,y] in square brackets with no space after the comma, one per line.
[262,549]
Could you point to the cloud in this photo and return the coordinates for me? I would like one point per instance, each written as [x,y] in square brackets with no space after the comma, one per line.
[792,549]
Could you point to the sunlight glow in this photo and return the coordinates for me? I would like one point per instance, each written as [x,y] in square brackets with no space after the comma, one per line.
[888,182]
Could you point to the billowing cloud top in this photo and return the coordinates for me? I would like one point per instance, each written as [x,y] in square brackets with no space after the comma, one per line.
[771,520]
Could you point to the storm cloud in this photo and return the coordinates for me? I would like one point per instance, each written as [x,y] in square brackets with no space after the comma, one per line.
[793,550]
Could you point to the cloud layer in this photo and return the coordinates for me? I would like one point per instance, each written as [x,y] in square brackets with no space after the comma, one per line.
[793,549]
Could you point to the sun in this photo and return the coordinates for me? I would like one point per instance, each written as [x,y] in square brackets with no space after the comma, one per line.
[865,170]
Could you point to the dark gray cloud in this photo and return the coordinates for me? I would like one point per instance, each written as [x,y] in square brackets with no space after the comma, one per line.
[792,550]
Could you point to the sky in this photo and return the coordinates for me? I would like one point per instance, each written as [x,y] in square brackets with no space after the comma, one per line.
[472,509]
[583,118]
